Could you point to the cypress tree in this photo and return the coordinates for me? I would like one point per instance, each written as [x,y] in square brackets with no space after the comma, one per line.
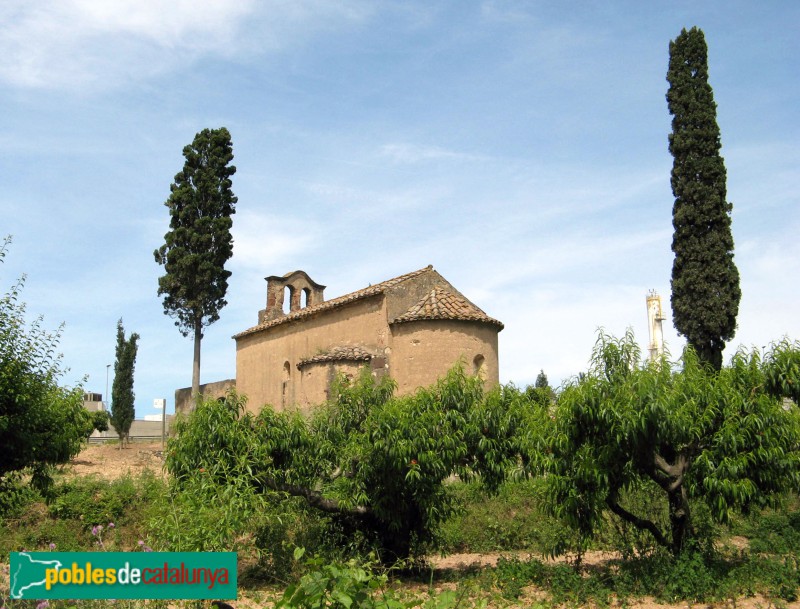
[541,381]
[705,280]
[199,241]
[541,393]
[122,395]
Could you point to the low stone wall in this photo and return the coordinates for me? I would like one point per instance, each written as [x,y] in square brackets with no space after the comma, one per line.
[139,429]
[183,397]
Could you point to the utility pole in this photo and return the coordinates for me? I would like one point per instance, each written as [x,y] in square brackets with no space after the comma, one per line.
[108,367]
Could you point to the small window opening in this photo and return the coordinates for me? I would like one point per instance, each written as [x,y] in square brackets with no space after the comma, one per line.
[287,377]
[287,298]
[479,366]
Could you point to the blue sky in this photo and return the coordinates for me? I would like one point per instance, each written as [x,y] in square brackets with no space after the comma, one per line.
[518,147]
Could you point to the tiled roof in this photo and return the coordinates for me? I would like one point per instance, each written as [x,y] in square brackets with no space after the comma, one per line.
[440,303]
[338,354]
[372,290]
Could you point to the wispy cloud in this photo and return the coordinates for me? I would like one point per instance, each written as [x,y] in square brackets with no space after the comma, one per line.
[520,148]
[73,44]
[504,12]
[415,153]
[267,241]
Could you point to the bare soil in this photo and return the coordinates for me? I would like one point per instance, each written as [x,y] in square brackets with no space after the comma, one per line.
[108,461]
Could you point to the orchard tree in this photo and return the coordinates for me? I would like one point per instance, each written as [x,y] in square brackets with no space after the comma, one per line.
[100,420]
[122,396]
[705,280]
[726,440]
[41,423]
[378,461]
[199,241]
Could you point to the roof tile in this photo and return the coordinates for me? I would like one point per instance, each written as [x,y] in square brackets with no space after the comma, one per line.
[338,354]
[440,303]
[372,290]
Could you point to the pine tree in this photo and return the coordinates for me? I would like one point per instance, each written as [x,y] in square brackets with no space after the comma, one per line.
[199,241]
[122,395]
[705,280]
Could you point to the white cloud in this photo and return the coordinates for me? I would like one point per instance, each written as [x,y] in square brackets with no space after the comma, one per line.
[267,241]
[414,153]
[168,24]
[73,44]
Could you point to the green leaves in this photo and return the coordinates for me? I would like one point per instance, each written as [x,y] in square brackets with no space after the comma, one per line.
[705,280]
[122,396]
[380,459]
[723,438]
[339,586]
[41,424]
[199,241]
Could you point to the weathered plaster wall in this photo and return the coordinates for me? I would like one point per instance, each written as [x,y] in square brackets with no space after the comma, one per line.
[183,397]
[261,357]
[423,351]
[316,379]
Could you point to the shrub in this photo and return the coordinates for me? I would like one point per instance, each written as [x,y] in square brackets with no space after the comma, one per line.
[721,439]
[92,500]
[372,462]
[41,423]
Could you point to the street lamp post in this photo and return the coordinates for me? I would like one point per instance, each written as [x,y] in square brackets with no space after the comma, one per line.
[108,367]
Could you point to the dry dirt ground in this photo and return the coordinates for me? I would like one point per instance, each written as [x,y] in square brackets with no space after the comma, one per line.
[108,461]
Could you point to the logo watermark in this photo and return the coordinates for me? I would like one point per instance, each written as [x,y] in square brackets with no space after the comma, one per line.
[128,575]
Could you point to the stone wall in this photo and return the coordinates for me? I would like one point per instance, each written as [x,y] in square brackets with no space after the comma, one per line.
[139,429]
[266,362]
[183,397]
[423,351]
[414,327]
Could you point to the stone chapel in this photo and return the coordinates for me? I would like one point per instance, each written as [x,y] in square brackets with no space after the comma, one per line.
[414,328]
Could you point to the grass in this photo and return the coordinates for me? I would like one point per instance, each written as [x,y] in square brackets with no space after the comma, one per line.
[693,577]
[509,521]
[77,505]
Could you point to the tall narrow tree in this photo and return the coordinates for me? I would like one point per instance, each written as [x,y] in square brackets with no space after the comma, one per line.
[541,393]
[705,280]
[122,395]
[199,241]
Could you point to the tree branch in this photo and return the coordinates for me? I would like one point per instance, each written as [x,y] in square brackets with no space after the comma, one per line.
[674,472]
[315,498]
[639,523]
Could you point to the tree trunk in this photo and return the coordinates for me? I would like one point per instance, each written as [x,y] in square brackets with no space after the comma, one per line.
[198,335]
[710,354]
[679,518]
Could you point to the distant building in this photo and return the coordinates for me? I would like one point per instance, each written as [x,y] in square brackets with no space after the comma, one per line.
[140,428]
[655,316]
[93,402]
